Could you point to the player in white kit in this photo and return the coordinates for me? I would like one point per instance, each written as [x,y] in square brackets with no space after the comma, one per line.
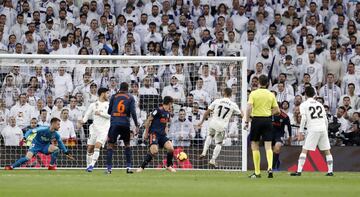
[314,118]
[99,128]
[222,110]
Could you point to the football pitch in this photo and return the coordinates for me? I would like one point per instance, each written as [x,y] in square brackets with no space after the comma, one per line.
[79,183]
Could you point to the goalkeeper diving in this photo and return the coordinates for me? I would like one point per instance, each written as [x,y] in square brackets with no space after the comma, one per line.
[43,143]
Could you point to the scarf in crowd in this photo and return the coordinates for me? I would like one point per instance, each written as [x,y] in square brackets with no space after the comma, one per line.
[282,96]
[330,95]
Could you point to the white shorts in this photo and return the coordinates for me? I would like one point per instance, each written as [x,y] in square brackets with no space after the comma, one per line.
[219,134]
[97,136]
[319,139]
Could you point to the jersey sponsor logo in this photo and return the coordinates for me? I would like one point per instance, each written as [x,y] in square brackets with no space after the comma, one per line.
[45,139]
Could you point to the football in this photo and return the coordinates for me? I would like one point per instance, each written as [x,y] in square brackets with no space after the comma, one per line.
[182,156]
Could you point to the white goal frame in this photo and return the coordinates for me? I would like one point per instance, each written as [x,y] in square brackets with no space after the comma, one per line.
[182,59]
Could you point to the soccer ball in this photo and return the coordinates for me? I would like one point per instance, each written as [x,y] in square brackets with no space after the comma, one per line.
[182,156]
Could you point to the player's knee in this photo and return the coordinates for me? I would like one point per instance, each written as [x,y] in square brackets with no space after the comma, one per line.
[277,149]
[154,150]
[170,149]
[90,150]
[54,149]
[254,146]
[98,145]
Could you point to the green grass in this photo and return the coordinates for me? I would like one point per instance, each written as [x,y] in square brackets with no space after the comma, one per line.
[183,183]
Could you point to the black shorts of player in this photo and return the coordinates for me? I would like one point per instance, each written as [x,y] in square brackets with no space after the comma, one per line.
[155,139]
[261,127]
[277,135]
[116,130]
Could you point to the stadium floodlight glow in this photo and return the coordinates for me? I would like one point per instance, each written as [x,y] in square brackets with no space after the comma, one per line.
[234,154]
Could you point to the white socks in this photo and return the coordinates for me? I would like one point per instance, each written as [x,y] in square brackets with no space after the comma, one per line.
[330,162]
[207,144]
[88,159]
[216,152]
[301,162]
[95,156]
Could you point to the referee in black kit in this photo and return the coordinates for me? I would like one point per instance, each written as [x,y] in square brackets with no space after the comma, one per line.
[261,105]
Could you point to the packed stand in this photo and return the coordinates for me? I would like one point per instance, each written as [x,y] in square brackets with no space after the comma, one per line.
[296,43]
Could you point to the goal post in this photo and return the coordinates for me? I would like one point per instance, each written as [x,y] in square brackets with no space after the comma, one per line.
[149,74]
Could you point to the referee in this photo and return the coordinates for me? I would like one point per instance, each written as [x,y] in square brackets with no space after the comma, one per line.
[261,105]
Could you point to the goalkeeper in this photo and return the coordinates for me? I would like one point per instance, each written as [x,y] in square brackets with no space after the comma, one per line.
[42,144]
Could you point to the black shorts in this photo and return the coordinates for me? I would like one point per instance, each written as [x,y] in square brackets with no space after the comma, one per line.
[261,127]
[159,140]
[277,135]
[116,130]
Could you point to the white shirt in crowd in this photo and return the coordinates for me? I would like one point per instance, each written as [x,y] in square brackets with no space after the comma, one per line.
[176,92]
[23,114]
[67,129]
[210,85]
[181,132]
[148,91]
[63,85]
[12,135]
[315,71]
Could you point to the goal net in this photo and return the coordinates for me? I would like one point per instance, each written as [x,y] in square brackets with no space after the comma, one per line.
[35,88]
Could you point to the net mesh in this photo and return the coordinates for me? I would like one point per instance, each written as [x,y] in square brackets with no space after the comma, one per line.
[35,90]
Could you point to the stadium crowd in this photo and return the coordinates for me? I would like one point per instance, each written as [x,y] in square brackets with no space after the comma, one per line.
[296,43]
